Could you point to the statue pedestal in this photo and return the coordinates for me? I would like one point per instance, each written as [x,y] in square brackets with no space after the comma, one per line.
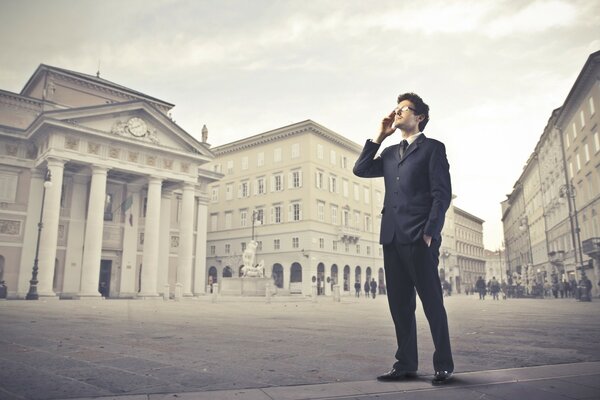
[246,286]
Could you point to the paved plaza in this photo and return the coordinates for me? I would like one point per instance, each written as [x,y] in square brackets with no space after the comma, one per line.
[290,348]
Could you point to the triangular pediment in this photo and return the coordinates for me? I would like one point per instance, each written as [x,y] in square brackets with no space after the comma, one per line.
[131,122]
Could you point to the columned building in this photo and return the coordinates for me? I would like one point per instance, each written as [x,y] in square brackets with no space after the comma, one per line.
[292,189]
[469,249]
[117,188]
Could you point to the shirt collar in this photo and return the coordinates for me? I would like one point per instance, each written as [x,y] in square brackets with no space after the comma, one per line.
[412,138]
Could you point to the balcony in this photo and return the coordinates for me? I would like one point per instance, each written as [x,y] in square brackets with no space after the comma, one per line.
[348,234]
[591,247]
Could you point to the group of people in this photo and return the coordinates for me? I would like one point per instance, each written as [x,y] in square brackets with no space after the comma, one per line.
[370,287]
[492,287]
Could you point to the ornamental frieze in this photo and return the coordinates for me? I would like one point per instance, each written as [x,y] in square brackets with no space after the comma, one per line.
[9,227]
[71,143]
[94,148]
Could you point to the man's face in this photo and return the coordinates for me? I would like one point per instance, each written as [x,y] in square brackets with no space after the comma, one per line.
[406,119]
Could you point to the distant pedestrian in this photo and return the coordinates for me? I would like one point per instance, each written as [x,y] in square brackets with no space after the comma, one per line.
[494,288]
[367,288]
[481,288]
[561,289]
[357,288]
[373,287]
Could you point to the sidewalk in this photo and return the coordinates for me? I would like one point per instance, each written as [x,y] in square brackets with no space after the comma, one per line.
[548,382]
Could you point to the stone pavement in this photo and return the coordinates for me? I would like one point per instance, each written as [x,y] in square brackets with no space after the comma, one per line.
[291,348]
[552,382]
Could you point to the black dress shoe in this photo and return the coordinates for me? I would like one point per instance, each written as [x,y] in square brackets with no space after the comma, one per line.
[397,375]
[441,377]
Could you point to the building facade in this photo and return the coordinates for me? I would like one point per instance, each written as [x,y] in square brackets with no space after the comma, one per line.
[292,190]
[495,265]
[557,198]
[469,249]
[100,189]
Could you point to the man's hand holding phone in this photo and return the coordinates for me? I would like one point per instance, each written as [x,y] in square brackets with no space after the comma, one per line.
[387,127]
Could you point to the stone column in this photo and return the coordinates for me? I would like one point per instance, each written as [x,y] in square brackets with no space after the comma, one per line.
[186,240]
[200,279]
[94,229]
[74,254]
[130,244]
[165,241]
[151,240]
[49,235]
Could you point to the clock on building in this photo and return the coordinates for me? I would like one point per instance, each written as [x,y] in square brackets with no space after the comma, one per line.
[137,127]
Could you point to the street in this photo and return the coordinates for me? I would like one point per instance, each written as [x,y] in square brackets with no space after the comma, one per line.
[53,349]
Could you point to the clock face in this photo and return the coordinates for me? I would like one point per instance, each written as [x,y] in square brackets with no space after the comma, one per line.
[137,127]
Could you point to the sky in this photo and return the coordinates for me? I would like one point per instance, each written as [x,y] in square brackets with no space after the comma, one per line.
[491,71]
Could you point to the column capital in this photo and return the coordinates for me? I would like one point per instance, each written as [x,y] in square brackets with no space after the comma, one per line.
[55,162]
[99,169]
[154,180]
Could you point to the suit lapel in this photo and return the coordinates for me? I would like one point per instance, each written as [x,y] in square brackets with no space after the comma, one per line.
[413,147]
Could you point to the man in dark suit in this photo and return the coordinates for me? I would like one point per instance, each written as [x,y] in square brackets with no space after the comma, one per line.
[417,194]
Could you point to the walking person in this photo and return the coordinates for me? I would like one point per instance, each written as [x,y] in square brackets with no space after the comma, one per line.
[494,288]
[367,288]
[417,194]
[373,287]
[357,288]
[481,288]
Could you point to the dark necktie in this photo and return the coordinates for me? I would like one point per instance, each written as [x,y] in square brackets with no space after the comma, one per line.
[403,146]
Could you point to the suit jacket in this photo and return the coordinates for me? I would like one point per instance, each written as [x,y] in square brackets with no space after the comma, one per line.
[417,188]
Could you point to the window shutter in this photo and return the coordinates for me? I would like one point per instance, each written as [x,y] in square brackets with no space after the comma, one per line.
[240,191]
[256,188]
[290,213]
[290,180]
[300,178]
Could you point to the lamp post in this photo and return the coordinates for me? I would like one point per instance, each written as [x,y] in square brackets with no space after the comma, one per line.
[445,254]
[567,193]
[255,217]
[32,294]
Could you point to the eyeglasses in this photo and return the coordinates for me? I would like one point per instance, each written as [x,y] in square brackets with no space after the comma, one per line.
[404,109]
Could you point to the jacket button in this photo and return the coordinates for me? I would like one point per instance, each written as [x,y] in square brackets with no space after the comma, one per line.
[397,178]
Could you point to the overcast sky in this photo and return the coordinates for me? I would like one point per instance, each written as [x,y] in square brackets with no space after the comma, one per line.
[491,71]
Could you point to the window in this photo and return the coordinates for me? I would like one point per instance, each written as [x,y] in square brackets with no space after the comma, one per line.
[586,151]
[277,155]
[295,150]
[217,168]
[582,118]
[332,157]
[108,207]
[319,179]
[296,179]
[244,190]
[596,142]
[230,167]
[368,250]
[295,242]
[227,248]
[334,245]
[345,187]
[356,219]
[320,151]
[368,223]
[259,216]
[295,212]
[334,215]
[260,186]
[358,249]
[276,244]
[277,183]
[228,218]
[321,211]
[574,131]
[229,191]
[367,194]
[213,250]
[592,107]
[346,218]
[260,159]
[259,245]
[214,219]
[244,163]
[214,194]
[356,192]
[567,141]
[344,162]
[333,184]
[578,160]
[347,248]
[321,243]
[243,246]
[243,218]
[276,214]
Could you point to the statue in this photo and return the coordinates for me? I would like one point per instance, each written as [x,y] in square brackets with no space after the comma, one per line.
[249,270]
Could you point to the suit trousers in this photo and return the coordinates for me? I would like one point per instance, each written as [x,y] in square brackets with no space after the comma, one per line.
[409,267]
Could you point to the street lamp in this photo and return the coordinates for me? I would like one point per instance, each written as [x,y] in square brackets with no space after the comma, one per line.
[256,216]
[445,254]
[32,294]
[567,193]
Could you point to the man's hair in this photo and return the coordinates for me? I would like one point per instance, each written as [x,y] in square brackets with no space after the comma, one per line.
[419,105]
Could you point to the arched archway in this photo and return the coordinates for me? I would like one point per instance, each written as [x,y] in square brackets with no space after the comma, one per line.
[278,275]
[227,272]
[368,274]
[320,279]
[334,275]
[212,275]
[296,278]
[347,278]
[358,274]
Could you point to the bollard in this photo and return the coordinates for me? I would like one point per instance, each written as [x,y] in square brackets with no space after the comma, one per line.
[167,292]
[336,293]
[178,291]
[215,292]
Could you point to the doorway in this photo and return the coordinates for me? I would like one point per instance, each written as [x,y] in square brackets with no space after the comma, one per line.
[104,279]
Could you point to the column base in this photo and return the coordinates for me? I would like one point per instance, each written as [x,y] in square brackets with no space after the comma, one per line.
[149,296]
